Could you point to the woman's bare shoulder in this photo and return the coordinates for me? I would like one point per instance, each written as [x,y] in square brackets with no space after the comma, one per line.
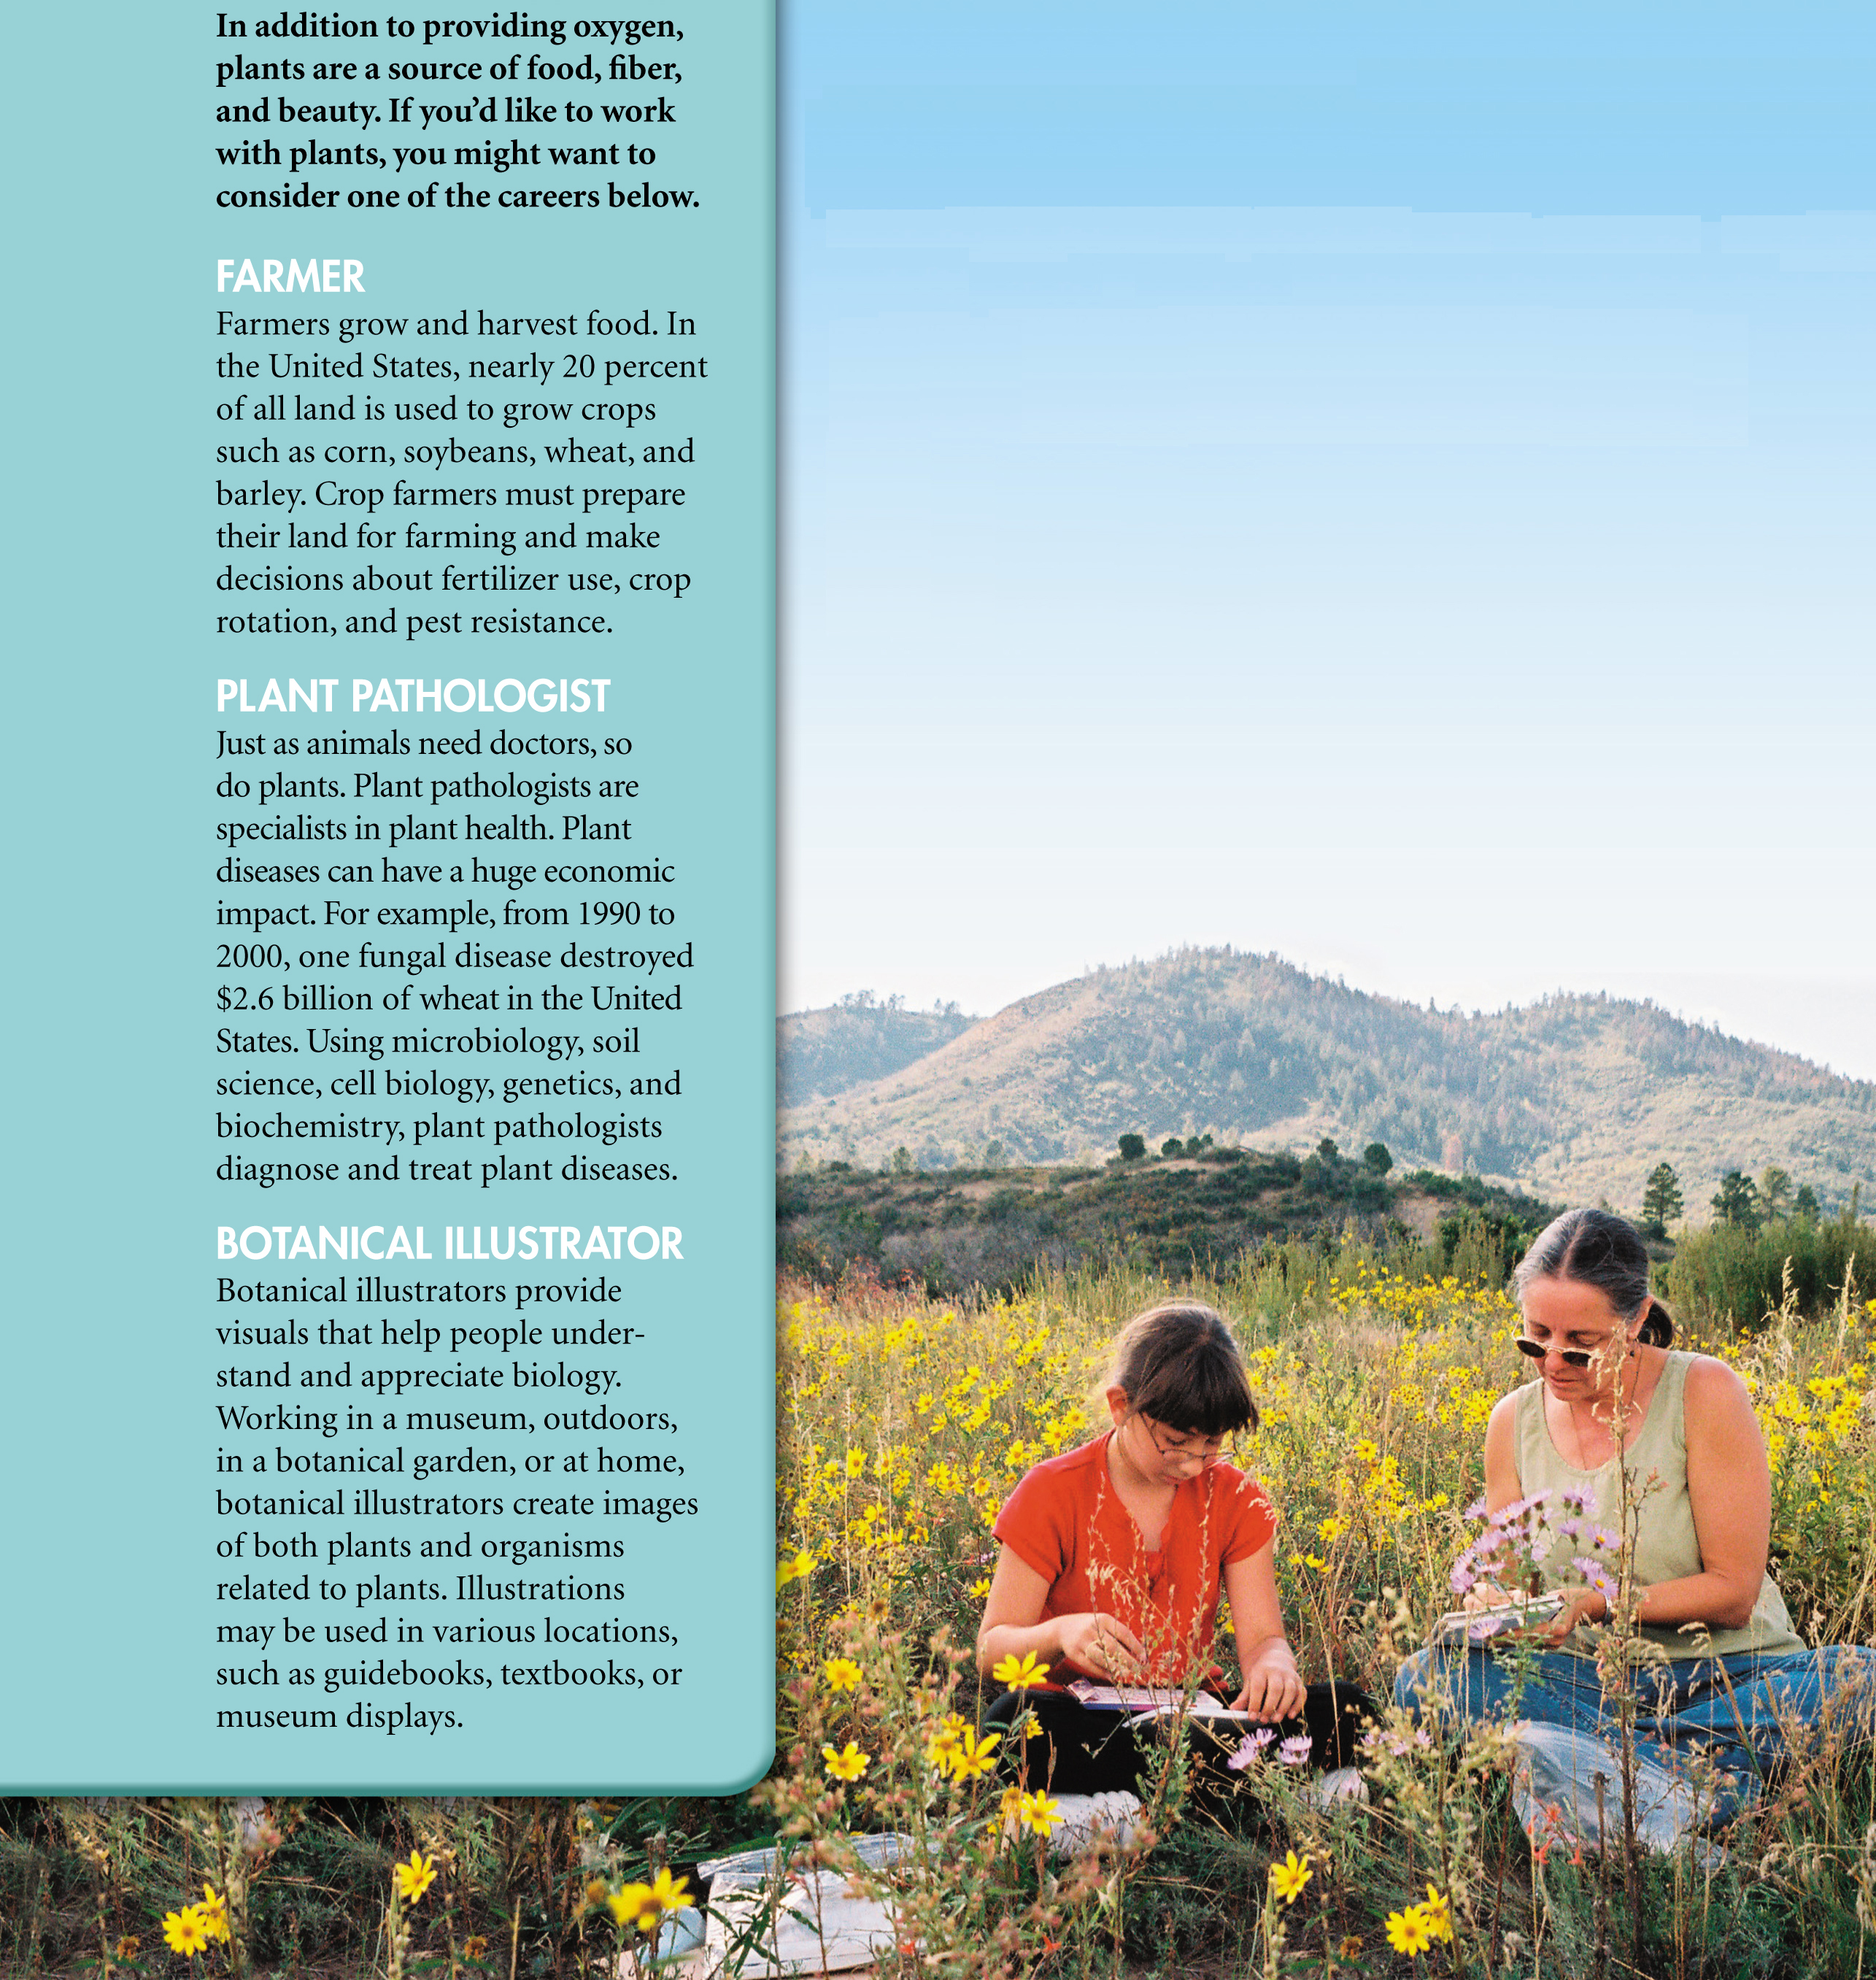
[1504,1417]
[1713,1388]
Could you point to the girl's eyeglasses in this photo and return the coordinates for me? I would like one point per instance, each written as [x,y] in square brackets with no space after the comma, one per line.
[1204,1455]
[1571,1357]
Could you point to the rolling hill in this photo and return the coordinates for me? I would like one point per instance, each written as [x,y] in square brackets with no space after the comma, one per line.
[1575,1098]
[823,1052]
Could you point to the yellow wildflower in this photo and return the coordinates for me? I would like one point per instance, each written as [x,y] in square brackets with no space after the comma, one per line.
[632,1902]
[847,1765]
[644,1905]
[184,1931]
[1409,1932]
[1288,1878]
[415,1878]
[1020,1673]
[972,1756]
[1036,1811]
[797,1569]
[214,1910]
[1438,1914]
[843,1674]
[944,1740]
[670,1893]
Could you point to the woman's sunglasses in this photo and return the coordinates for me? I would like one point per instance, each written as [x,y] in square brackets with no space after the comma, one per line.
[1571,1357]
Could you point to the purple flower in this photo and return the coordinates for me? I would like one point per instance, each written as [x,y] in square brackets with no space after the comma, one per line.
[1475,1510]
[1295,1751]
[1465,1572]
[1597,1576]
[1579,1501]
[1601,1536]
[1251,1746]
[1396,1745]
[1571,1529]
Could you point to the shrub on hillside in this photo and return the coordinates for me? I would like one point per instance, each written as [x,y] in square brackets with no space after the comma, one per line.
[1738,1269]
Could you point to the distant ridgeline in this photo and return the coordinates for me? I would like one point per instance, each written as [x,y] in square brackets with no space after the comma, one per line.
[821,1053]
[1573,1098]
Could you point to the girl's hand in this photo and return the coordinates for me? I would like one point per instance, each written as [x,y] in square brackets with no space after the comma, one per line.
[1271,1688]
[1105,1648]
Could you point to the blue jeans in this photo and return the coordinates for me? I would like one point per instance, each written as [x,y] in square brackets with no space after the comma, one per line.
[1745,1707]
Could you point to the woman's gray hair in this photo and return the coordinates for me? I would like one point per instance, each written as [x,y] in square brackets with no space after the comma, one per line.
[1596,1248]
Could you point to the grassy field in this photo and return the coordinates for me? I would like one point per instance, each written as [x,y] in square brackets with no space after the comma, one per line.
[905,1421]
[908,1421]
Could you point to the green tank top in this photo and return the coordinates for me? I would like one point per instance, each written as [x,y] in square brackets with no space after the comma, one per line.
[1666,1545]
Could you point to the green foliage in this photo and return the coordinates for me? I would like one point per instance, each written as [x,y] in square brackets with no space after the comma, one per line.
[1172,1145]
[1806,1204]
[1375,1157]
[946,1231]
[1133,1147]
[80,1877]
[1661,1199]
[1775,1190]
[1736,1271]
[902,1160]
[1736,1200]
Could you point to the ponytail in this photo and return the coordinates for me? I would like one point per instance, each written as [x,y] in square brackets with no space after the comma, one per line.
[1657,1324]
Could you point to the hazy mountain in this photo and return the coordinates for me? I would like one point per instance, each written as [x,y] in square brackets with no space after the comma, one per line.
[821,1053]
[1573,1097]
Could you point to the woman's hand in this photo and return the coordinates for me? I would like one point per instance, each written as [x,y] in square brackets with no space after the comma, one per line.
[1486,1595]
[1102,1646]
[1582,1605]
[1271,1688]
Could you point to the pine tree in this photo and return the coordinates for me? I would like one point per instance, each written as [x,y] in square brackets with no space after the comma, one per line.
[1737,1199]
[1662,1199]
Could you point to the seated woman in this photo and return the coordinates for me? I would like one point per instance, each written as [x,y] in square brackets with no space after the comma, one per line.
[1736,1676]
[1114,1556]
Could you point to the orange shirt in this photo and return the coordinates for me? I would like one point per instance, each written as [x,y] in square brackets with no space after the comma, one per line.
[1066,1520]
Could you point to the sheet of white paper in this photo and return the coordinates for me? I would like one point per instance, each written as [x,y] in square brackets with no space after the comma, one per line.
[820,1926]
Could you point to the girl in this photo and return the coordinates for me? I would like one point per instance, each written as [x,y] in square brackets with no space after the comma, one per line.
[1114,1556]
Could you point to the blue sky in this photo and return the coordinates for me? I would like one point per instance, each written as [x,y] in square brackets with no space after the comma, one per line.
[1394,488]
